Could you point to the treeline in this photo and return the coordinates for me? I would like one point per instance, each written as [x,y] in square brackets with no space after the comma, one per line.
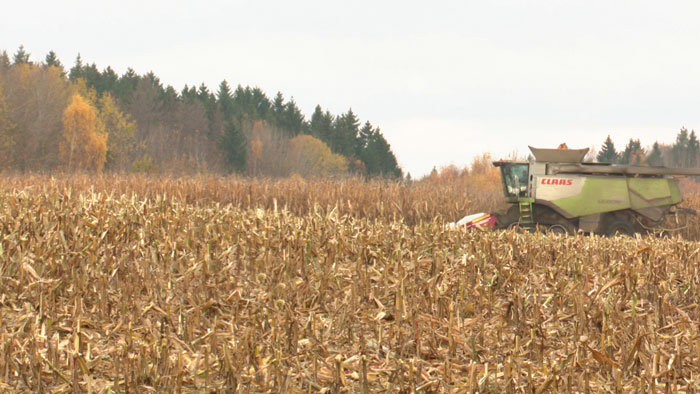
[85,119]
[684,152]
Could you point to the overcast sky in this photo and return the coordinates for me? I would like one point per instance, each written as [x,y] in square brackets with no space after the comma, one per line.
[444,81]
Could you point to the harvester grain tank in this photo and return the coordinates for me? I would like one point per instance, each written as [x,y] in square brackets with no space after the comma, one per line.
[562,194]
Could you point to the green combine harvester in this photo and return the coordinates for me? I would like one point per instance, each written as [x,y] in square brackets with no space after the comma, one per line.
[560,193]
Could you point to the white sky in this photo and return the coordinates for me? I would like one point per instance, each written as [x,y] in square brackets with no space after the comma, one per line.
[444,80]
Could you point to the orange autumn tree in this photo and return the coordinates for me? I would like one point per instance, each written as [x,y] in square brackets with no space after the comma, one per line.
[84,145]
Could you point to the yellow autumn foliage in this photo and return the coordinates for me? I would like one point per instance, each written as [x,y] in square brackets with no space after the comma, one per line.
[309,156]
[122,133]
[84,145]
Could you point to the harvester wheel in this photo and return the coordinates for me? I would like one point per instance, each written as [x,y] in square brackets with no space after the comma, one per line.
[558,229]
[620,227]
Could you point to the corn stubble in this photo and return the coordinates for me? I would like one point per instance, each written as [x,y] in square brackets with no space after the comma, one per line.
[104,291]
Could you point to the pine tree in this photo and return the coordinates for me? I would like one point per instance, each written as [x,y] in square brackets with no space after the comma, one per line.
[126,85]
[363,138]
[225,100]
[607,153]
[208,100]
[77,70]
[679,150]
[378,158]
[106,80]
[293,120]
[633,152]
[4,62]
[344,136]
[52,61]
[234,145]
[278,108]
[251,104]
[654,157]
[21,56]
[171,99]
[321,125]
[389,167]
[189,93]
[261,103]
[692,150]
[92,76]
[203,92]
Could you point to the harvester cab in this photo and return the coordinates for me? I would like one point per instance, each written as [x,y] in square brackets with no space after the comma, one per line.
[560,193]
[515,179]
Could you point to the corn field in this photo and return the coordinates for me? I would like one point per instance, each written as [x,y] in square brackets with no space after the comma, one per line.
[218,285]
[381,200]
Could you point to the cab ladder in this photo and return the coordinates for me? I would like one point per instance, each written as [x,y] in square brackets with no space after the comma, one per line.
[527,216]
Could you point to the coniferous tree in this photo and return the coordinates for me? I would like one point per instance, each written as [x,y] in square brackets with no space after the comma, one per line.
[170,99]
[203,92]
[293,121]
[378,158]
[654,157]
[235,147]
[345,130]
[321,125]
[278,108]
[693,150]
[363,138]
[21,56]
[607,153]
[243,102]
[389,165]
[253,104]
[633,153]
[126,85]
[189,93]
[261,103]
[53,61]
[208,100]
[77,70]
[106,80]
[91,75]
[225,100]
[4,61]
[679,150]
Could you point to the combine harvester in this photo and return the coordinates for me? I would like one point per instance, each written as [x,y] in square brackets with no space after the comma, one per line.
[561,194]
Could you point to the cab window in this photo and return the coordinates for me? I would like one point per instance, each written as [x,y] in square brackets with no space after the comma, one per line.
[515,179]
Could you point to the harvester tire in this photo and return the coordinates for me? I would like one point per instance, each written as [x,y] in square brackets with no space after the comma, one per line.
[620,227]
[559,229]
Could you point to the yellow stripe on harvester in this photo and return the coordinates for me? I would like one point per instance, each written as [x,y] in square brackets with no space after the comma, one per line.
[480,218]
